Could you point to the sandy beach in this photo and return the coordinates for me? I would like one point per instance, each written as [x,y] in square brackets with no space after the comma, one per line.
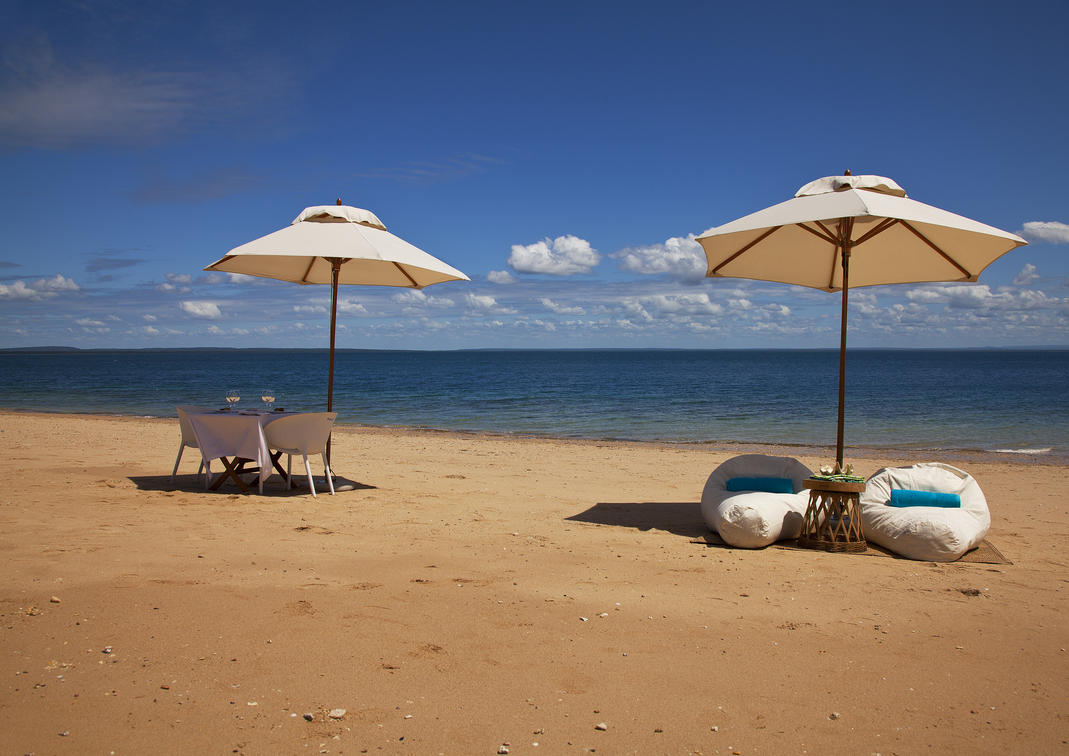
[481,593]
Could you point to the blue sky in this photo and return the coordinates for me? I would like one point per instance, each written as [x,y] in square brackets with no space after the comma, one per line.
[562,154]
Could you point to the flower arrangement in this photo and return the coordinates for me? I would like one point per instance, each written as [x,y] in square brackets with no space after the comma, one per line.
[839,474]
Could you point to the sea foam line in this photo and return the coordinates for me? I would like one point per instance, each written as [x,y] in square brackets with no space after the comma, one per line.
[1046,450]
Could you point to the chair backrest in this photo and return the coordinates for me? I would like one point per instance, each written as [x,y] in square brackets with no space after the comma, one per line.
[759,465]
[305,433]
[188,437]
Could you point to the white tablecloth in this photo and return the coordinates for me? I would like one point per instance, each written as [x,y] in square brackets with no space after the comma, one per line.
[235,434]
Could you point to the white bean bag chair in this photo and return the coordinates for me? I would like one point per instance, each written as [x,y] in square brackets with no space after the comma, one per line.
[931,533]
[751,518]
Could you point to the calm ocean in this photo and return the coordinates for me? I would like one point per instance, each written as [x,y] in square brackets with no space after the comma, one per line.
[992,400]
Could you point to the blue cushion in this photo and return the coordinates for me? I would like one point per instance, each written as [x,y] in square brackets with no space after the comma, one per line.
[768,485]
[904,497]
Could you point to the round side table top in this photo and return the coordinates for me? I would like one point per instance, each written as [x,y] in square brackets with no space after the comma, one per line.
[837,486]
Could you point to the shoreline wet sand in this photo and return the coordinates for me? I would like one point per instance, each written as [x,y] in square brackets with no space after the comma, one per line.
[480,590]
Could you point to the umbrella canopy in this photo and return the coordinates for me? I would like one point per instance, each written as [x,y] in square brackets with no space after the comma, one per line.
[337,244]
[303,251]
[842,232]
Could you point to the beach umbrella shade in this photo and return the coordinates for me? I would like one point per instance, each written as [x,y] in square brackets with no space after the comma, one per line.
[843,232]
[337,244]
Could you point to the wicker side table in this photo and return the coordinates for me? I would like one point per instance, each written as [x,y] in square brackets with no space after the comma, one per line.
[833,518]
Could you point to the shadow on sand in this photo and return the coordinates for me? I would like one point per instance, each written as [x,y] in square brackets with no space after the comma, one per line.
[680,517]
[273,487]
[685,518]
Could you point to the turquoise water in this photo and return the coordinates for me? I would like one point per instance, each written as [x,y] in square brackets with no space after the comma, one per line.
[989,400]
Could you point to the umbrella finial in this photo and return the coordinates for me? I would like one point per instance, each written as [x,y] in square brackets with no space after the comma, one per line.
[845,174]
[338,201]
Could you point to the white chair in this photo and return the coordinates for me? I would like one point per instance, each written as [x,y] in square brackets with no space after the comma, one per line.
[754,500]
[189,438]
[931,533]
[304,434]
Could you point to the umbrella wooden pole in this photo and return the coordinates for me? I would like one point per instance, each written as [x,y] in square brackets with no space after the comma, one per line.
[335,271]
[846,229]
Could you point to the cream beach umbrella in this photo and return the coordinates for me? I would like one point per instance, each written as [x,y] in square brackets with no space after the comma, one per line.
[842,232]
[337,244]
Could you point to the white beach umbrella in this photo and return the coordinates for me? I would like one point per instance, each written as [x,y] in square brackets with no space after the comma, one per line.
[842,232]
[337,244]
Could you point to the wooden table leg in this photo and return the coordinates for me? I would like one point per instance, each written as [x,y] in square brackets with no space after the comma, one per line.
[234,467]
[276,463]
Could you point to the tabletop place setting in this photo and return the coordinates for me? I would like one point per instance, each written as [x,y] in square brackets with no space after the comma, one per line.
[267,396]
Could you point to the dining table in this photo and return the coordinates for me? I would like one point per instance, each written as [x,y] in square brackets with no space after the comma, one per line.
[236,438]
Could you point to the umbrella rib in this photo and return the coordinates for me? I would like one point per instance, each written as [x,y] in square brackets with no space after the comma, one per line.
[308,270]
[405,274]
[826,235]
[758,240]
[882,226]
[943,254]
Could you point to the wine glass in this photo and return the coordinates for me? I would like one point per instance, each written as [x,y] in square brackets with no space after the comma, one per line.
[267,396]
[233,396]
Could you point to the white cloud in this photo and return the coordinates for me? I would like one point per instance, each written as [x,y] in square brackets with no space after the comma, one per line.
[215,277]
[90,323]
[864,303]
[318,309]
[679,304]
[1046,231]
[150,331]
[42,288]
[964,297]
[480,302]
[351,307]
[538,323]
[563,256]
[166,286]
[422,299]
[485,303]
[776,311]
[55,284]
[634,307]
[552,306]
[410,296]
[1027,275]
[201,309]
[149,318]
[500,277]
[19,290]
[680,258]
[982,299]
[176,282]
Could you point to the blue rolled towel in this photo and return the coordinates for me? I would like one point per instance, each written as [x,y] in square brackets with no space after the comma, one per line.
[904,497]
[767,485]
